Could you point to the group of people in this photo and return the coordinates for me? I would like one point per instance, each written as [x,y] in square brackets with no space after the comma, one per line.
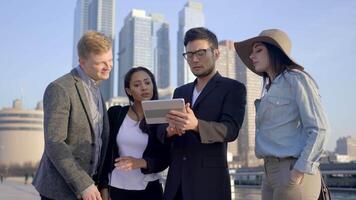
[92,154]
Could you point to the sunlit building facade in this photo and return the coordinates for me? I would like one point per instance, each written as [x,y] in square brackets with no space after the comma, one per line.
[21,135]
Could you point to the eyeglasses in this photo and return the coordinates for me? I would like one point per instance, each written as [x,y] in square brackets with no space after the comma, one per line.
[199,54]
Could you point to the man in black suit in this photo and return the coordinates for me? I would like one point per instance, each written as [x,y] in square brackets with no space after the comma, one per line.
[213,116]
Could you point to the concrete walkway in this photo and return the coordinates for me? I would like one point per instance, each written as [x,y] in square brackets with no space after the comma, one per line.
[13,188]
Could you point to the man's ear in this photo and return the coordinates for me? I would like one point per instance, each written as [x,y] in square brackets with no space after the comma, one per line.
[82,61]
[216,54]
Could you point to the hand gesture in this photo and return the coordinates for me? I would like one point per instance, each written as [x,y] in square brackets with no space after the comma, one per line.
[127,163]
[91,193]
[172,130]
[183,121]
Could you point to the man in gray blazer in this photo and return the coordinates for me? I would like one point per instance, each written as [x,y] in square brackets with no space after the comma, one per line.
[213,116]
[76,125]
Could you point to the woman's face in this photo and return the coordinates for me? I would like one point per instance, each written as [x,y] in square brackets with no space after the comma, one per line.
[260,58]
[141,86]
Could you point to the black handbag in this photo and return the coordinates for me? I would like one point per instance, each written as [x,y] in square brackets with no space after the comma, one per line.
[324,192]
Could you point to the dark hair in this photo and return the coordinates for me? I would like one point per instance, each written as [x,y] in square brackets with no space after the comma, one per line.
[143,125]
[201,33]
[278,59]
[279,62]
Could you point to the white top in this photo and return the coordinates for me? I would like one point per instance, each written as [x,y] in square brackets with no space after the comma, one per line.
[195,95]
[131,142]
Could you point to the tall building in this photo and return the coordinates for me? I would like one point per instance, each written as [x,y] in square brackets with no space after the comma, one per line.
[21,135]
[226,66]
[144,41]
[346,146]
[97,15]
[81,24]
[230,65]
[161,50]
[189,17]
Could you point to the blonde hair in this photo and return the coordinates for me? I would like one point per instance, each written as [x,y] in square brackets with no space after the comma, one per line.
[93,42]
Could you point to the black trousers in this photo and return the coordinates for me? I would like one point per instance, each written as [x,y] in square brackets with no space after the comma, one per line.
[45,198]
[153,191]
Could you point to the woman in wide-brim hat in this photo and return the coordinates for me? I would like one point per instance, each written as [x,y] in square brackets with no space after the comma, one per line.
[291,125]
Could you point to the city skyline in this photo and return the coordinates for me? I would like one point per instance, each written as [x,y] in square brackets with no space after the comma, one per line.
[144,41]
[37,44]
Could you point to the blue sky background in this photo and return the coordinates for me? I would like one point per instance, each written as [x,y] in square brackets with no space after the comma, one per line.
[37,38]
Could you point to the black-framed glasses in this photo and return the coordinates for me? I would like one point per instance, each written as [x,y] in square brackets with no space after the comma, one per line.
[198,53]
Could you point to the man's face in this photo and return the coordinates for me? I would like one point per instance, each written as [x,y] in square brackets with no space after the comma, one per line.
[201,57]
[97,66]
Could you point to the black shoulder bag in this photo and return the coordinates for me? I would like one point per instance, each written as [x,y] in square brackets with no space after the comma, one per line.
[324,192]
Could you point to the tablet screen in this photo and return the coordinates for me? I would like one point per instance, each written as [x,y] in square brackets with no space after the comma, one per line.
[155,111]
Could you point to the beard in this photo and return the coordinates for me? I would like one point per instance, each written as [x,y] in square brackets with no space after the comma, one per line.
[205,73]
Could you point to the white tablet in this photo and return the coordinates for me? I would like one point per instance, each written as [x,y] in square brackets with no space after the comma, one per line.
[155,111]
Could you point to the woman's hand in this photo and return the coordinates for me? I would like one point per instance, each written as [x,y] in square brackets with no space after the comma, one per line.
[127,163]
[296,176]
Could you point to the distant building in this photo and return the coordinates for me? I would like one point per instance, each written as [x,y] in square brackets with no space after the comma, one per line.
[226,64]
[339,158]
[230,65]
[121,100]
[21,135]
[81,25]
[189,17]
[346,146]
[144,41]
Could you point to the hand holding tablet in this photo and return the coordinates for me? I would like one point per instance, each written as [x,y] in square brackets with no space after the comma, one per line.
[155,111]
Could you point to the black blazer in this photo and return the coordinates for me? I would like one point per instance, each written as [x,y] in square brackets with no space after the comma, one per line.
[198,160]
[156,154]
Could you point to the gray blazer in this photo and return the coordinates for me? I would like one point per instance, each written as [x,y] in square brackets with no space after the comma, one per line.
[65,168]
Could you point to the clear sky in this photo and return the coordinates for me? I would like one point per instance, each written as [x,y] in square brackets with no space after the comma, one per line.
[37,37]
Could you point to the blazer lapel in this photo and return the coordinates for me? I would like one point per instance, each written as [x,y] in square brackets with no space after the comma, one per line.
[207,89]
[189,94]
[83,97]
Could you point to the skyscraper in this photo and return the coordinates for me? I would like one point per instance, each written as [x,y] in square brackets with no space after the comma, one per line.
[144,41]
[230,65]
[246,143]
[189,17]
[81,24]
[97,15]
[161,50]
[226,66]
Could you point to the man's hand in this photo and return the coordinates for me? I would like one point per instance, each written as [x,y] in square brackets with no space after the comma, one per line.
[183,121]
[172,130]
[91,193]
[127,163]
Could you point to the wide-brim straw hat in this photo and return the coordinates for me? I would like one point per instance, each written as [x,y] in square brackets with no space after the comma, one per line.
[274,37]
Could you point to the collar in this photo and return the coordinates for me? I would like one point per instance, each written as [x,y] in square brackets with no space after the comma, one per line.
[86,79]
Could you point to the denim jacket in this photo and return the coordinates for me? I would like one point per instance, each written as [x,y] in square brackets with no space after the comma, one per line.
[291,122]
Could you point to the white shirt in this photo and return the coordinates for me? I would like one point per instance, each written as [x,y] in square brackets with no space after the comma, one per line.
[131,142]
[195,95]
